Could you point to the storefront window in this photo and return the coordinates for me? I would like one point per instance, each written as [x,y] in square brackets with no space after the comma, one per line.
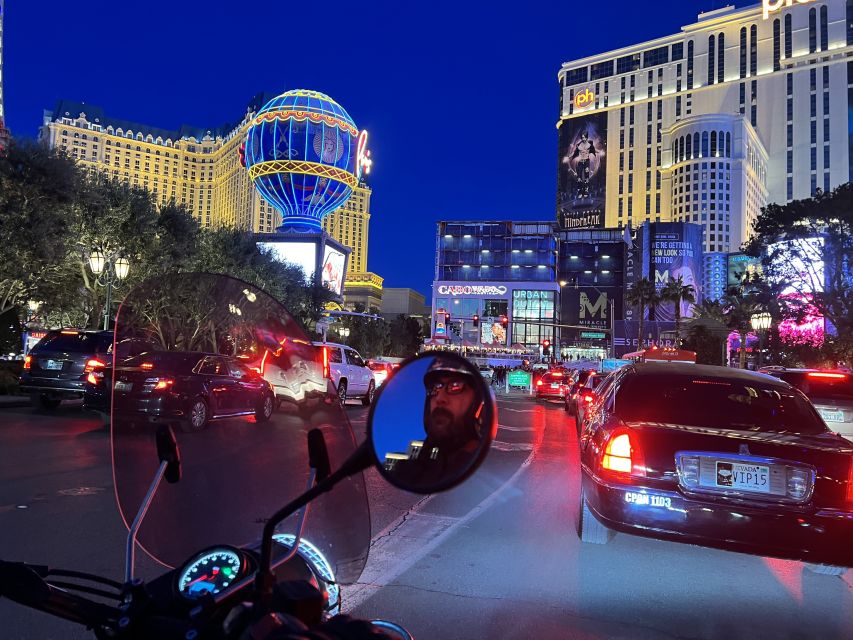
[495,308]
[532,316]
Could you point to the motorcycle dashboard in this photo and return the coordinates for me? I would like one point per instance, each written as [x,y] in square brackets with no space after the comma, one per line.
[212,571]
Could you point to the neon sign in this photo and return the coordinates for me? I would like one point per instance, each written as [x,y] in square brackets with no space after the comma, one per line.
[469,290]
[362,156]
[584,99]
[772,6]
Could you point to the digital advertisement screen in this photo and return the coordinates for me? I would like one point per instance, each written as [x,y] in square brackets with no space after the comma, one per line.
[492,333]
[740,267]
[800,266]
[581,172]
[334,263]
[676,252]
[303,254]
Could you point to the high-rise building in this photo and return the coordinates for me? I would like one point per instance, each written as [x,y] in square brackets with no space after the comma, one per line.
[743,107]
[4,133]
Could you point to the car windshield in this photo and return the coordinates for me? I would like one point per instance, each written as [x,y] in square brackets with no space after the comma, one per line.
[819,385]
[722,403]
[75,342]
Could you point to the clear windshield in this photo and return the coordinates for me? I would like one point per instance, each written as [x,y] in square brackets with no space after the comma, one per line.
[239,382]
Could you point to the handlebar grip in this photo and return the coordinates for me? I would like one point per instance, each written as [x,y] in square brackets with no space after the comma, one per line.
[21,583]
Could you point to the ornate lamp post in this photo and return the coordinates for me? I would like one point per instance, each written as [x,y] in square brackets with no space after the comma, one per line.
[760,324]
[109,271]
[343,332]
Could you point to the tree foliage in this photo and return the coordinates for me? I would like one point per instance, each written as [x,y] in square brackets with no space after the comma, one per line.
[406,336]
[53,214]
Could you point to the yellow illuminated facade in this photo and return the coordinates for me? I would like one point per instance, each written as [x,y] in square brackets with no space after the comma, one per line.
[363,289]
[349,224]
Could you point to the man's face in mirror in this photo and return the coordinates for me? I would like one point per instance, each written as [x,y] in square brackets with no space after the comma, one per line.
[450,402]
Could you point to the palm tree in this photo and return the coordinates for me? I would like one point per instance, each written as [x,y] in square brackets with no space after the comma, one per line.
[676,291]
[642,294]
[738,308]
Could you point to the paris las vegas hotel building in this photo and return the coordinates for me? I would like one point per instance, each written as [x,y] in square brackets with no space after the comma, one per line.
[742,108]
[201,169]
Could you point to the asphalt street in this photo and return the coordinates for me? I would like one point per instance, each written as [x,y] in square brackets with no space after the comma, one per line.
[495,557]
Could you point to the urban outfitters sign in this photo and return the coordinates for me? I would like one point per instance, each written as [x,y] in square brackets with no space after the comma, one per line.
[472,290]
[772,6]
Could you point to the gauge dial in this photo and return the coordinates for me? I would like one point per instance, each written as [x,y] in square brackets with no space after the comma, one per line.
[211,572]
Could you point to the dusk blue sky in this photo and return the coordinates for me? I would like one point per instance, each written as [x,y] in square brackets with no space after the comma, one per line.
[460,98]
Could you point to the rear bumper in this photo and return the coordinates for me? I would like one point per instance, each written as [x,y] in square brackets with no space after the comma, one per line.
[549,393]
[55,386]
[820,536]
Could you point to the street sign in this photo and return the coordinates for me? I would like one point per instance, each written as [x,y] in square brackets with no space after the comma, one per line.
[518,379]
[611,364]
[593,335]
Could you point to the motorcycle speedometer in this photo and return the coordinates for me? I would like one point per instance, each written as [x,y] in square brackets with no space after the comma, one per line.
[211,572]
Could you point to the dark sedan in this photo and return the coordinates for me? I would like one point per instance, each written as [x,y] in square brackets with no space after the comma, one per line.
[57,367]
[189,389]
[716,457]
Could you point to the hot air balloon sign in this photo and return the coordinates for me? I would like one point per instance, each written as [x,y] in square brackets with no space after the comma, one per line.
[305,155]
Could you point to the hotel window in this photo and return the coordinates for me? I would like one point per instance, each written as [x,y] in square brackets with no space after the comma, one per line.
[824,32]
[812,30]
[721,57]
[789,38]
[753,50]
[711,58]
[777,45]
[743,52]
[690,64]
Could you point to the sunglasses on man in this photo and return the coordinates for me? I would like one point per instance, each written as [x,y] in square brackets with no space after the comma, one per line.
[451,387]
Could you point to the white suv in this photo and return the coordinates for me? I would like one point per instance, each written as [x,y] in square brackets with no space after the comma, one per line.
[350,374]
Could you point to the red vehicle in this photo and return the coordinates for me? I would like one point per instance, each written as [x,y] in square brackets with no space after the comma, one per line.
[553,384]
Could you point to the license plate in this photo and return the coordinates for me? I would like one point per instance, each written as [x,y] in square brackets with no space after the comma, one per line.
[123,386]
[743,476]
[832,416]
[52,365]
[555,386]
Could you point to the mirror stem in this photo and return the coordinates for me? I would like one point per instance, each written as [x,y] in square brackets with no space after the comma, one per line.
[360,460]
[137,522]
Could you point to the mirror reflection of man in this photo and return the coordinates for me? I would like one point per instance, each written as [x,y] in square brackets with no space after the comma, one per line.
[452,422]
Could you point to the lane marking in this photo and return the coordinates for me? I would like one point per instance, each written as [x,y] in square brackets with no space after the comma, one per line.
[391,553]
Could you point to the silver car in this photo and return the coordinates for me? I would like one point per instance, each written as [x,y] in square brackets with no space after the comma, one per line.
[831,392]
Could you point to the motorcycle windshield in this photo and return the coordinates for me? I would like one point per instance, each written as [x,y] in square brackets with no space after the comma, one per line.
[231,372]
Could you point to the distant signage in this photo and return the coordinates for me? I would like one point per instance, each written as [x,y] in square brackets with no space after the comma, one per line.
[772,6]
[584,99]
[518,379]
[611,364]
[472,290]
[593,335]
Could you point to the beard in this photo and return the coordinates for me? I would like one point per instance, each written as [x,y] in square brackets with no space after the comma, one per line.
[445,428]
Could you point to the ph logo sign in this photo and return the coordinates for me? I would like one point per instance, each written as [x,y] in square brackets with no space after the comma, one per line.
[584,99]
[772,6]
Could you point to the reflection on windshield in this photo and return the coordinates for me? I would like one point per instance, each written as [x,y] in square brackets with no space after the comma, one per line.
[237,379]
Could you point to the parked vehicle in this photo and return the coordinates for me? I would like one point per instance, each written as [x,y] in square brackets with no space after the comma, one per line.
[553,384]
[190,389]
[831,392]
[57,366]
[352,377]
[716,457]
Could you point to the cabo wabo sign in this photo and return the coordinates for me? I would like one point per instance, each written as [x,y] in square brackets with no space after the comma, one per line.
[772,6]
[472,290]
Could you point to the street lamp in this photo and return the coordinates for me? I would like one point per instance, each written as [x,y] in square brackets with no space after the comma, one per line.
[343,332]
[760,324]
[109,271]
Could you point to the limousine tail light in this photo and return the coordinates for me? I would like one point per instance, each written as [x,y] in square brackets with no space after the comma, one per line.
[93,364]
[622,454]
[850,486]
[28,362]
[163,383]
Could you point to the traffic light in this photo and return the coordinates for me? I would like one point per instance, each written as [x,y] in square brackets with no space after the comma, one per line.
[446,317]
[546,347]
[476,320]
[504,321]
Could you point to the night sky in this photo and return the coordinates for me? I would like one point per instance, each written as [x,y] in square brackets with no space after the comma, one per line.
[460,98]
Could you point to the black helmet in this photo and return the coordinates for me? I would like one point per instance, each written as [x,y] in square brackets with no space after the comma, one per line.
[443,366]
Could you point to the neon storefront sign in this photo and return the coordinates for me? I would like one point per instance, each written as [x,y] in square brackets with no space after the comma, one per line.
[472,290]
[772,6]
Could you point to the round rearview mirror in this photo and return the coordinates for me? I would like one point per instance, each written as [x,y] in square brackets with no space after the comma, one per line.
[432,423]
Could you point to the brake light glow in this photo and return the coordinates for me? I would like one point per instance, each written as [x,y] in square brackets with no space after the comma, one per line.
[93,364]
[556,375]
[622,455]
[850,485]
[538,383]
[91,379]
[163,383]
[69,333]
[147,366]
[823,374]
[326,368]
[28,362]
[587,397]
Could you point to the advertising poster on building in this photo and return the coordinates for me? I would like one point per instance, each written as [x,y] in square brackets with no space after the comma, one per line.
[581,172]
[333,270]
[636,268]
[676,252]
[589,307]
[741,267]
[492,333]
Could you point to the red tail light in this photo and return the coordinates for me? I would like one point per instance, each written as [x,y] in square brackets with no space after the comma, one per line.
[822,374]
[163,383]
[622,455]
[147,366]
[91,379]
[850,485]
[588,397]
[326,369]
[28,362]
[93,364]
[538,383]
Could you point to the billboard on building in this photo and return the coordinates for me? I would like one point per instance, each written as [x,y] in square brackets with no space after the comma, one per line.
[302,254]
[334,268]
[636,267]
[492,333]
[590,307]
[582,172]
[740,267]
[675,251]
